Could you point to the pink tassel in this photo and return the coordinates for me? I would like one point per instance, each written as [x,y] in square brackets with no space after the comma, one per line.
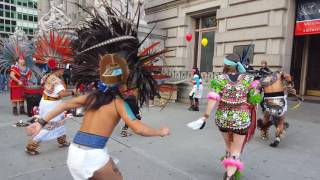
[231,162]
[239,165]
[254,84]
[228,162]
[213,96]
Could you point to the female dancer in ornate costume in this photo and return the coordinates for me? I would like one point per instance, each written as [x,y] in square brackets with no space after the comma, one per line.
[17,58]
[15,54]
[197,89]
[106,54]
[19,74]
[274,104]
[235,117]
[55,50]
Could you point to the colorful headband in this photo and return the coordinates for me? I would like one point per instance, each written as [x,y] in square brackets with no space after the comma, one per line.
[232,63]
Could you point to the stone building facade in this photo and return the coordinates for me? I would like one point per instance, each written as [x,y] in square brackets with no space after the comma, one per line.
[77,15]
[68,6]
[267,24]
[229,25]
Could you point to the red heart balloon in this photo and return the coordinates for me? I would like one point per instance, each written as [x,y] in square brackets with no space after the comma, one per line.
[188,37]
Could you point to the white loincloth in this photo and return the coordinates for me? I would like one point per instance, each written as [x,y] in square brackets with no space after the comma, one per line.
[84,161]
[45,134]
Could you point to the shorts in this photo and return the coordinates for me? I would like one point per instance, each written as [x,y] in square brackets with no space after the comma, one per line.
[83,161]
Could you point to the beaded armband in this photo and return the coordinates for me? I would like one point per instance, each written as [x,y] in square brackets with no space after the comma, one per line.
[42,122]
[213,96]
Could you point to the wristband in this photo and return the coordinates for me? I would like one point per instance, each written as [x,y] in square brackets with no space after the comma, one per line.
[42,122]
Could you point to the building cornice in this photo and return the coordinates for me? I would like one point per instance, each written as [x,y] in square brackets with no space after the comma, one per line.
[150,9]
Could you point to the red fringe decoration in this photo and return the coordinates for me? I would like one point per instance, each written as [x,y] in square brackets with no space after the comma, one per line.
[147,50]
[252,127]
[160,76]
[153,68]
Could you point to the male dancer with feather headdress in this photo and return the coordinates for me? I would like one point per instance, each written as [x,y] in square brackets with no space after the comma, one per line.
[106,54]
[54,50]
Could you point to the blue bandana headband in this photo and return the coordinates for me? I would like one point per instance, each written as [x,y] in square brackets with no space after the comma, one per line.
[240,67]
[102,87]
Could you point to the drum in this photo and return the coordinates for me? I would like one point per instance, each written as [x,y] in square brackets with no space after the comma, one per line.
[33,90]
[33,95]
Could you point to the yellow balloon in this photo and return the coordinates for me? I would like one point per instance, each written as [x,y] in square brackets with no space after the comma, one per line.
[204,42]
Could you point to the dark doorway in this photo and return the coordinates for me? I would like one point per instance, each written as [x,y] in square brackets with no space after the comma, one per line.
[313,75]
[305,64]
[296,63]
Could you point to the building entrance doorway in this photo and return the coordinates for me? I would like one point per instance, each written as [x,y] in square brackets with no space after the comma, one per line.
[313,66]
[305,64]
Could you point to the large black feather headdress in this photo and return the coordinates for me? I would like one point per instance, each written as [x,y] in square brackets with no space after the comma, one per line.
[111,35]
[244,54]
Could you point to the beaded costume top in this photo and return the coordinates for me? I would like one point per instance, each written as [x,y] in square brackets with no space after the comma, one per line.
[236,96]
[269,79]
[50,82]
[234,92]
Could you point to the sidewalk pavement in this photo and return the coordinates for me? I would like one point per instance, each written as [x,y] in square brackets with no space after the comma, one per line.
[184,155]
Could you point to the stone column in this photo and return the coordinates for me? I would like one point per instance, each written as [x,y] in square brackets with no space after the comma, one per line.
[43,7]
[83,2]
[57,2]
[142,11]
[72,11]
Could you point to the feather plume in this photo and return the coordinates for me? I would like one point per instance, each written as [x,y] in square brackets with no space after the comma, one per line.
[244,55]
[12,49]
[54,46]
[148,49]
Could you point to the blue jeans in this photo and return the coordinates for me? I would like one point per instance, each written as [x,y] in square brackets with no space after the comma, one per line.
[2,82]
[4,78]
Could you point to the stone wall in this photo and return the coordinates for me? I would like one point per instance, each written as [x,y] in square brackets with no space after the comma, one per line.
[175,17]
[268,24]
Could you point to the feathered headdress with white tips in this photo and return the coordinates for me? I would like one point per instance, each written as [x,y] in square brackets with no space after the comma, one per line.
[110,39]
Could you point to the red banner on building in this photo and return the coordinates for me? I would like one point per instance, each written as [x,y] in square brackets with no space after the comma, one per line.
[308,17]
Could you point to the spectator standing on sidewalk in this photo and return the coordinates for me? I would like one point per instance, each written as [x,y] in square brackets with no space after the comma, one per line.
[67,74]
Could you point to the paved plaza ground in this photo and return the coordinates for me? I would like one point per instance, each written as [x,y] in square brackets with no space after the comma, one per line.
[184,155]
